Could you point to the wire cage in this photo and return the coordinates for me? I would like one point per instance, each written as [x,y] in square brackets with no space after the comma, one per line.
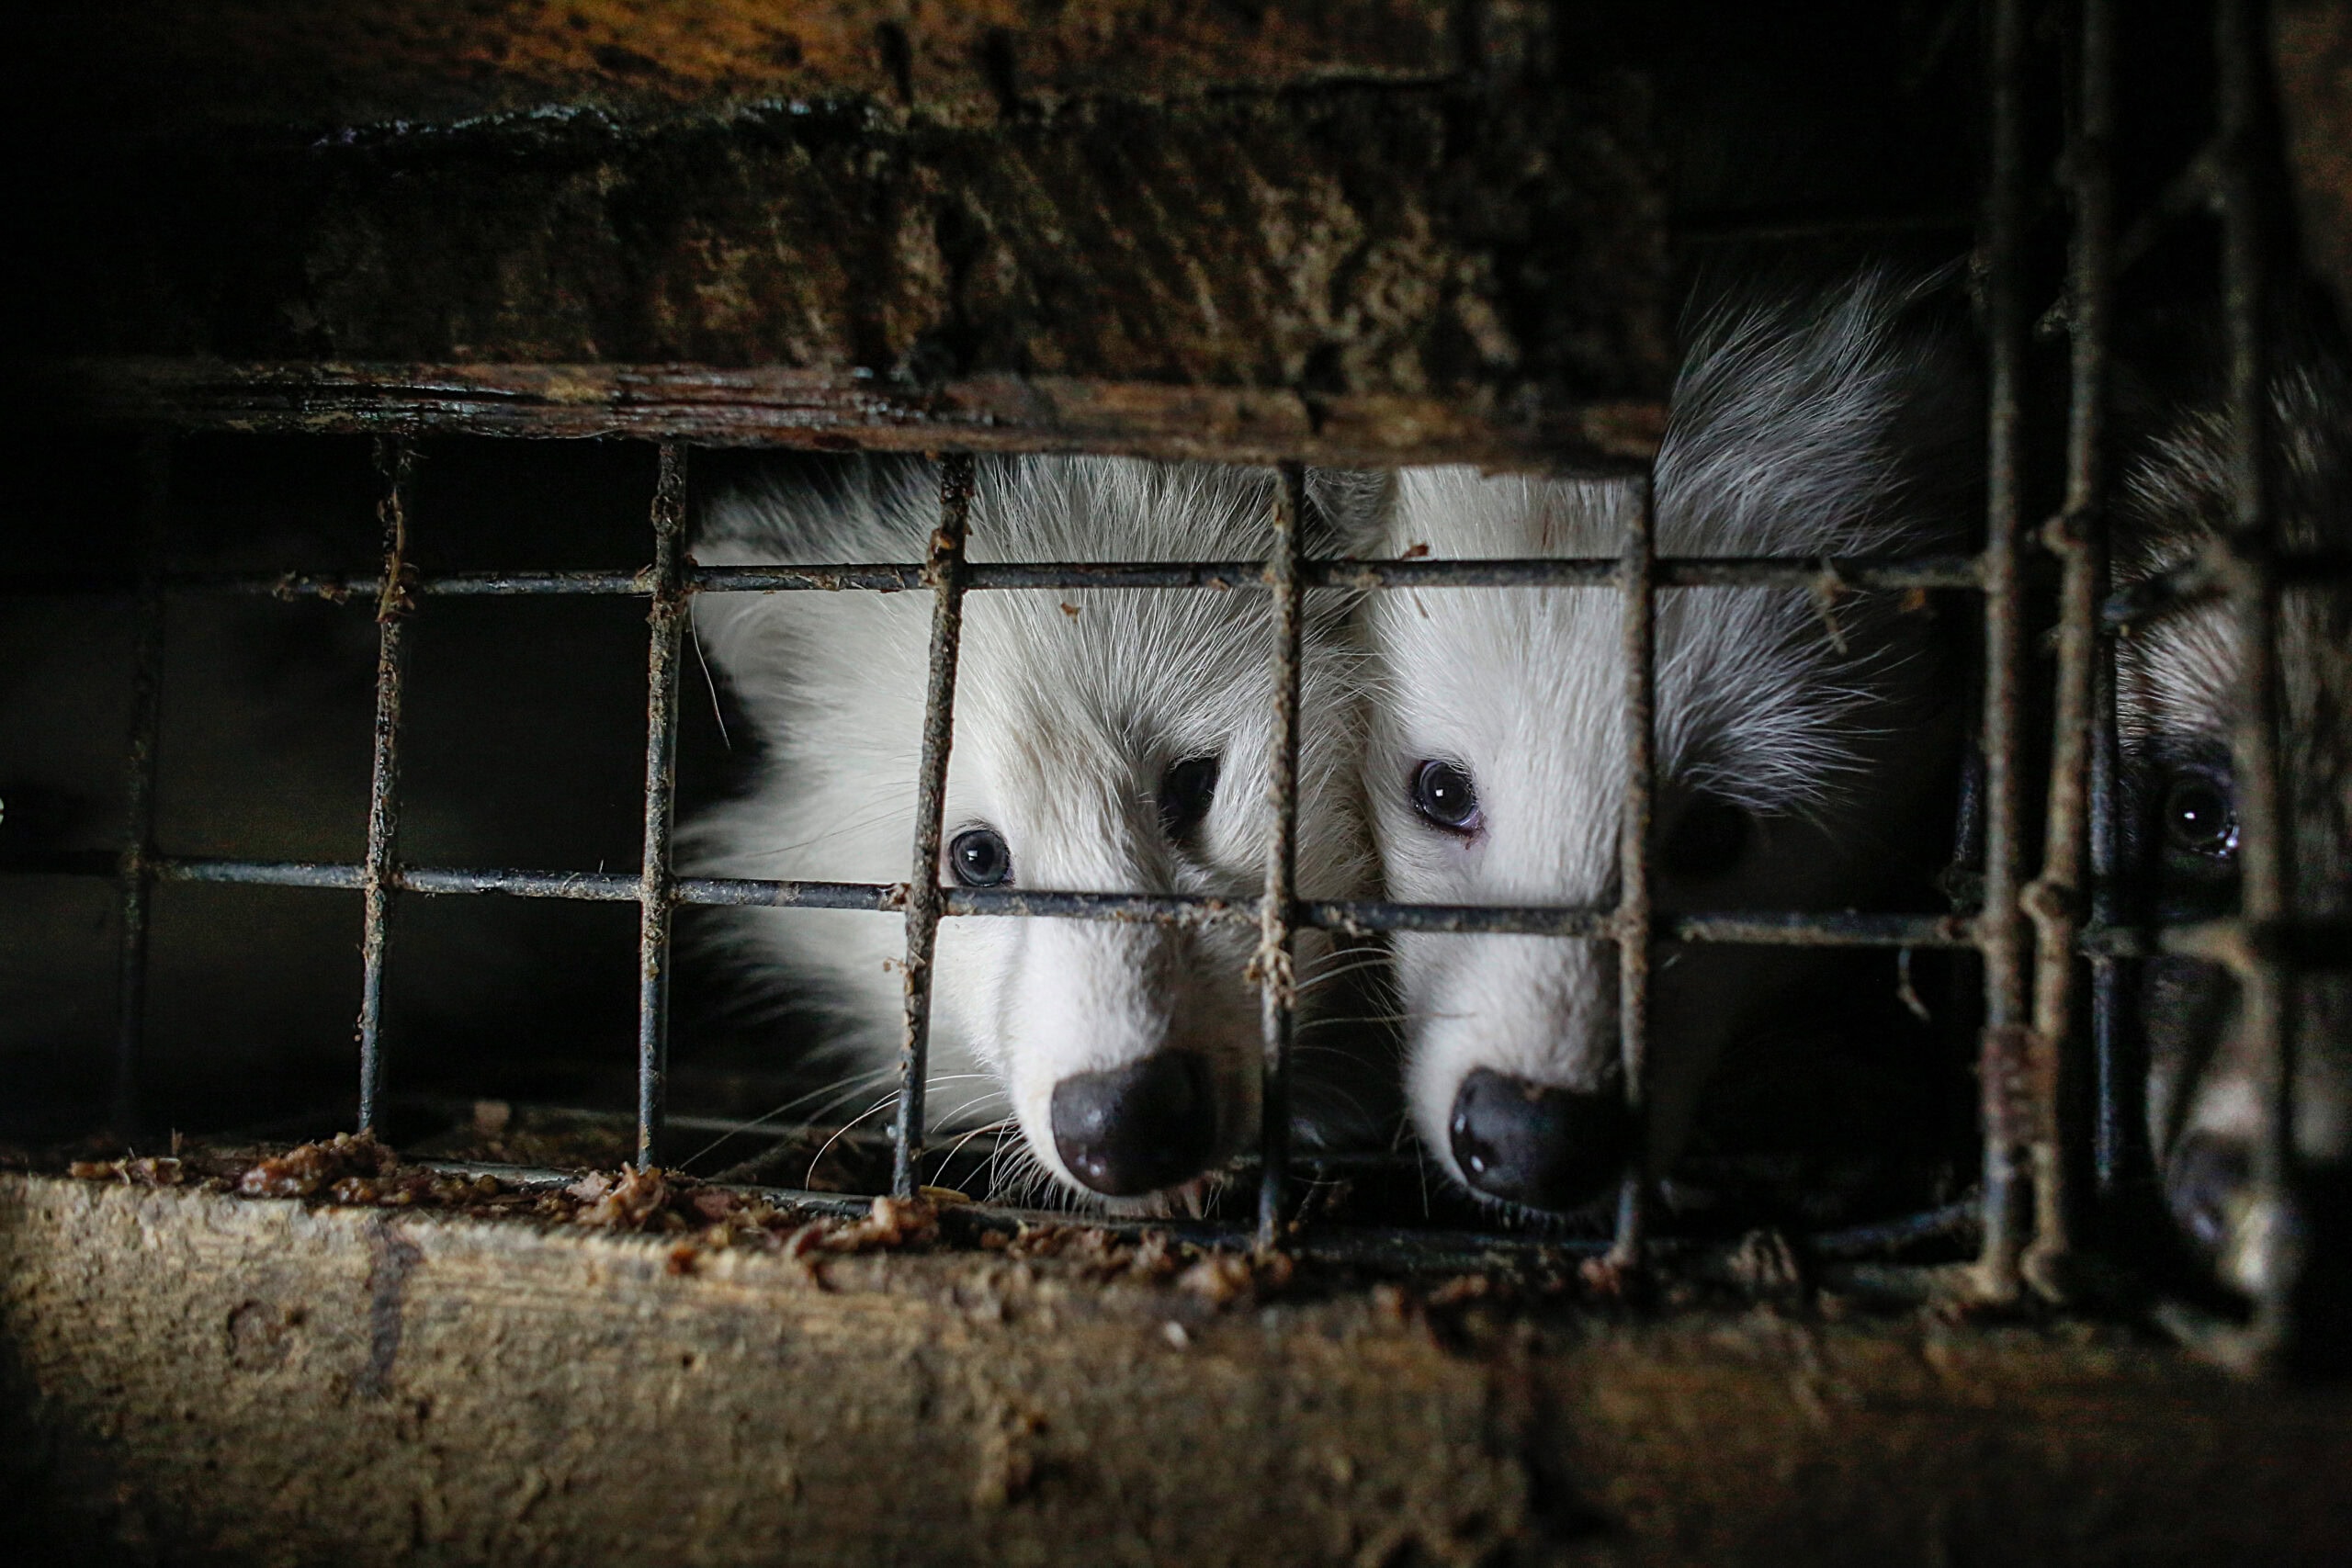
[2040,937]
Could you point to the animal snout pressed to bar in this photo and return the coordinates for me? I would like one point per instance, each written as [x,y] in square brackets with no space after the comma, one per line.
[1547,1148]
[1135,1129]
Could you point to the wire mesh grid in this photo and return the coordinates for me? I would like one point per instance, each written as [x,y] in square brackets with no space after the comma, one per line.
[2037,939]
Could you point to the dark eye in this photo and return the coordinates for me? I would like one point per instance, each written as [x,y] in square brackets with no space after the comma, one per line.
[1444,795]
[2199,817]
[1184,795]
[980,857]
[1707,841]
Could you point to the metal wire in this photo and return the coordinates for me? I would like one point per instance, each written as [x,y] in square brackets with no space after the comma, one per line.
[1826,576]
[394,459]
[1276,969]
[2079,538]
[2000,936]
[1638,586]
[2024,1063]
[945,573]
[1769,928]
[132,865]
[666,619]
[2266,894]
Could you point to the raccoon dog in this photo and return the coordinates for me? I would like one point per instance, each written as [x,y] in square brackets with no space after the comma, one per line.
[1794,739]
[1104,741]
[2176,685]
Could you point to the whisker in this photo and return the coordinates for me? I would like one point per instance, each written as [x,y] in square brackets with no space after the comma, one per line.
[817,1158]
[846,1087]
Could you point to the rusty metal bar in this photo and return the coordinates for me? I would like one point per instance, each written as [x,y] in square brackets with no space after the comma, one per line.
[1637,584]
[945,573]
[1824,576]
[666,618]
[132,865]
[1277,939]
[2201,579]
[394,459]
[2079,538]
[2005,1045]
[1766,928]
[2266,891]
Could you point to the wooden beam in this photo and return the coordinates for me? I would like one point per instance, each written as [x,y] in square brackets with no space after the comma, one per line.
[190,1374]
[815,409]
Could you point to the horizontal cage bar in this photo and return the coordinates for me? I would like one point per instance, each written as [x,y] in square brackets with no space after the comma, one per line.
[1750,927]
[1837,574]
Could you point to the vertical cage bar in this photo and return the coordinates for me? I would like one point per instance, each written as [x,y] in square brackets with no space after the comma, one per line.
[2120,1090]
[139,789]
[2078,536]
[1276,972]
[944,571]
[394,459]
[2000,934]
[666,619]
[2265,890]
[1636,583]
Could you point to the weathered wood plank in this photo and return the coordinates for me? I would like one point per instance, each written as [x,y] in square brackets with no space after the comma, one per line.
[1367,248]
[800,408]
[209,1378]
[160,67]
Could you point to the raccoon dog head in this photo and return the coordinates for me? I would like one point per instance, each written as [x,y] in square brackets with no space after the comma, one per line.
[1105,741]
[1791,737]
[2176,691]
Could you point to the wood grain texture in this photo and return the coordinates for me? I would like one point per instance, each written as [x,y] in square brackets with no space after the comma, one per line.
[814,409]
[160,67]
[212,1378]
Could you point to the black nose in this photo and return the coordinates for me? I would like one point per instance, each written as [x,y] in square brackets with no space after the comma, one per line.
[1545,1148]
[1138,1128]
[2207,1188]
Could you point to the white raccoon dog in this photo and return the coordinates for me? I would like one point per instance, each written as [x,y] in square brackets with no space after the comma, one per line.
[2176,697]
[1792,756]
[1105,741]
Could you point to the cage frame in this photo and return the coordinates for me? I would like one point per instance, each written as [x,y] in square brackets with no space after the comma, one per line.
[2037,938]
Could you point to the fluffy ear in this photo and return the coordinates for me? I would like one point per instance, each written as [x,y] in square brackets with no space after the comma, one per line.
[1352,506]
[1837,421]
[2176,489]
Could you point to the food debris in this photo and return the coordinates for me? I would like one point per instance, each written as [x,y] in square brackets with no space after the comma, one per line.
[634,1200]
[308,1168]
[155,1172]
[1224,1278]
[892,1223]
[1462,1289]
[1099,1254]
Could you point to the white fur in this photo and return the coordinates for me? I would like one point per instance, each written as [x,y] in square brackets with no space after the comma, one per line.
[1069,706]
[1781,442]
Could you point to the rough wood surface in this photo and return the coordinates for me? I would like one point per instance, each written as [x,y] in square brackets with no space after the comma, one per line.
[202,1378]
[799,408]
[1411,232]
[1502,251]
[147,67]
